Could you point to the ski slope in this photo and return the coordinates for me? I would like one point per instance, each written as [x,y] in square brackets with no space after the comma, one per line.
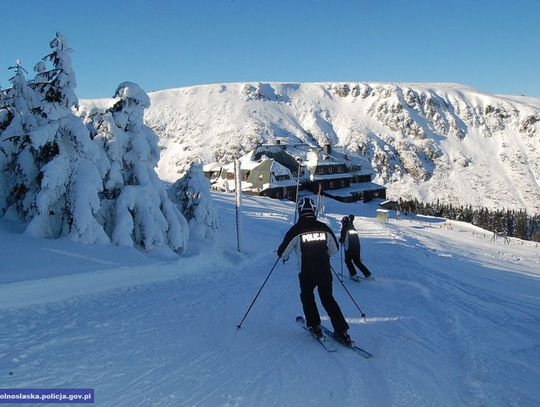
[452,317]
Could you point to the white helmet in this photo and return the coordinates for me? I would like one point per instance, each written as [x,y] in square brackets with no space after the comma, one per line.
[305,205]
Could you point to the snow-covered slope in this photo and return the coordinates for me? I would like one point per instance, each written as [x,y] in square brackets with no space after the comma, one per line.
[452,318]
[429,141]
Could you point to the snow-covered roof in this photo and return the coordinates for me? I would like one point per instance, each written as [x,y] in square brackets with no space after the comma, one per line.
[355,189]
[317,157]
[323,177]
[245,165]
[278,169]
[215,166]
[280,184]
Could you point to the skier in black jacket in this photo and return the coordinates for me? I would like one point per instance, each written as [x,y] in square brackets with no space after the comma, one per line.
[351,242]
[314,243]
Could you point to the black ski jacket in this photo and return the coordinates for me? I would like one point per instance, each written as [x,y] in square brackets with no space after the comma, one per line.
[314,243]
[349,238]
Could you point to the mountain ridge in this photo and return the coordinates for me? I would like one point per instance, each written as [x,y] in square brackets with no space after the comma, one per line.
[427,141]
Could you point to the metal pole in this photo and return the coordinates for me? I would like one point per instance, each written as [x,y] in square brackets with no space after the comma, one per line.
[319,213]
[238,192]
[342,262]
[297,187]
[363,315]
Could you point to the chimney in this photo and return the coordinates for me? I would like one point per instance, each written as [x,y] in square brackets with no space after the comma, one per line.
[328,149]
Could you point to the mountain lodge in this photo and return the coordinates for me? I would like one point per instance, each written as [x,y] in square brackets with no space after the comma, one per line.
[280,171]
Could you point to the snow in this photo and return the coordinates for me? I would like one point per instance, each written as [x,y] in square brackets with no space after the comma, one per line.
[452,318]
[132,91]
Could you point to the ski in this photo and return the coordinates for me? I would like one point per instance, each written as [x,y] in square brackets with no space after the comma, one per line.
[360,279]
[355,279]
[352,347]
[300,319]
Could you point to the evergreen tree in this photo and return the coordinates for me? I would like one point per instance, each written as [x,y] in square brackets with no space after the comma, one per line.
[496,223]
[522,226]
[69,181]
[18,169]
[4,187]
[54,180]
[57,84]
[136,210]
[192,194]
[459,214]
[510,222]
[535,228]
[483,218]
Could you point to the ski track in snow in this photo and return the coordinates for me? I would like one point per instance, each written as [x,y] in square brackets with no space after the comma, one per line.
[451,318]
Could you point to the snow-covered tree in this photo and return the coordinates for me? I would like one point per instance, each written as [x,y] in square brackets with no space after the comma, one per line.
[18,171]
[62,183]
[192,194]
[4,187]
[58,84]
[135,207]
[55,181]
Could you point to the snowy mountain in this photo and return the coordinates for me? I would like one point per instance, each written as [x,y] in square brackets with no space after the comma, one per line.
[429,141]
[452,318]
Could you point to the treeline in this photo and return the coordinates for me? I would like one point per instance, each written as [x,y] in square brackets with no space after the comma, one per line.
[518,224]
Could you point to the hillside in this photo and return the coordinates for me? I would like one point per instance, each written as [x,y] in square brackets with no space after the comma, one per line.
[425,141]
[451,318]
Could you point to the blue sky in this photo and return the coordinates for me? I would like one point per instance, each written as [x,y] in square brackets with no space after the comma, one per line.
[492,45]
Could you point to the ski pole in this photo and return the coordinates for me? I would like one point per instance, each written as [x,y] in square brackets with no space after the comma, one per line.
[341,262]
[255,299]
[347,291]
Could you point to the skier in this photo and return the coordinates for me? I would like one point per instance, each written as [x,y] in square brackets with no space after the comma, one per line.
[351,242]
[314,243]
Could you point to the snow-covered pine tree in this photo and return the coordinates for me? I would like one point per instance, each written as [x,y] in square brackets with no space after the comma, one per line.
[4,188]
[136,210]
[58,84]
[18,170]
[192,194]
[55,158]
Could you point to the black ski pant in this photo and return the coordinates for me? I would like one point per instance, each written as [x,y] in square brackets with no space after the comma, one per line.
[311,312]
[352,259]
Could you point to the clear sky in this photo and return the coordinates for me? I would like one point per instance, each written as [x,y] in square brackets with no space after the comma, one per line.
[492,45]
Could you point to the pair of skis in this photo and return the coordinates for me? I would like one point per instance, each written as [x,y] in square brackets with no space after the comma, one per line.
[329,347]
